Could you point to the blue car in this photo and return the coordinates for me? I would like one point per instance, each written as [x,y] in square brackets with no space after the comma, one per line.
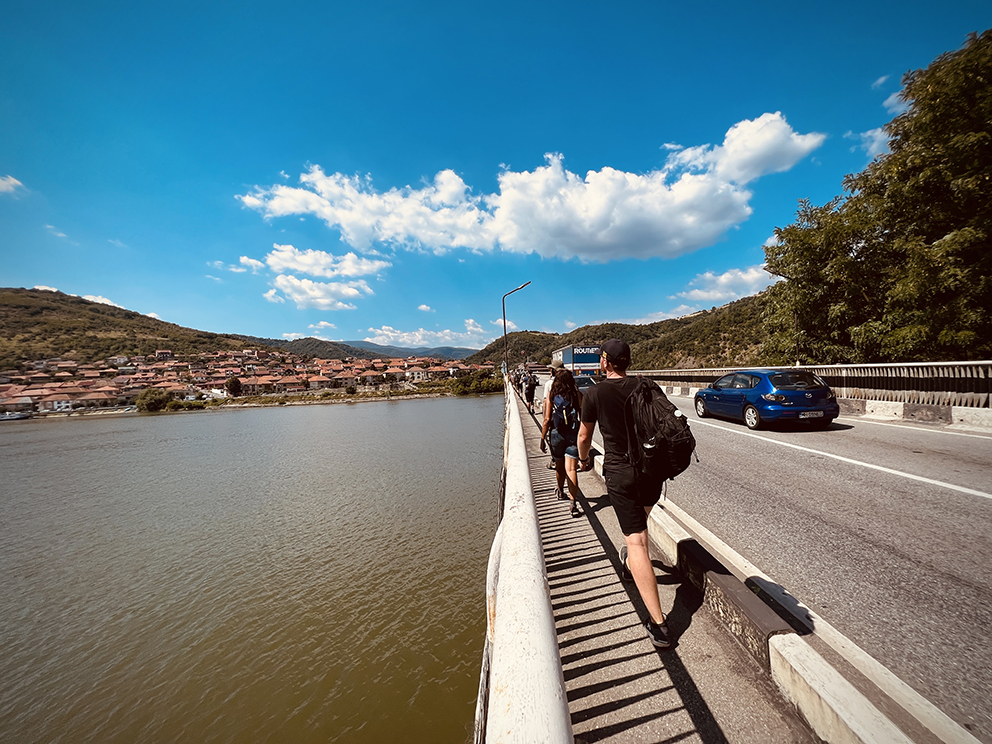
[763,396]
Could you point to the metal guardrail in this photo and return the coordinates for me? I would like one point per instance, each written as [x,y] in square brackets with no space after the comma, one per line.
[965,384]
[521,688]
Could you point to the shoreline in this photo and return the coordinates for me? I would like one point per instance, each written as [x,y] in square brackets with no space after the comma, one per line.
[314,400]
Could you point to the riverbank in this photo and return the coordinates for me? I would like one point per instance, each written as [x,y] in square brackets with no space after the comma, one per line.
[268,401]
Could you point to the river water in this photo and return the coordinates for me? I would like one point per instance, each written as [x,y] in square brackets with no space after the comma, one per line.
[293,574]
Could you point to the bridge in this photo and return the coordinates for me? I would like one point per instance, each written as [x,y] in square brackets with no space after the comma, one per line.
[823,586]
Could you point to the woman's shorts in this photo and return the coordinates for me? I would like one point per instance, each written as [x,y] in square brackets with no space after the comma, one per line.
[561,447]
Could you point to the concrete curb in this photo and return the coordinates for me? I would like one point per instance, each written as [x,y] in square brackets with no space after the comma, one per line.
[833,707]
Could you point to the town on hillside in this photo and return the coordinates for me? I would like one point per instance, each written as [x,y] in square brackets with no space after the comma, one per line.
[59,386]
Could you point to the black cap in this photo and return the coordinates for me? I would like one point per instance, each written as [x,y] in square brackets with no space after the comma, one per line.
[617,352]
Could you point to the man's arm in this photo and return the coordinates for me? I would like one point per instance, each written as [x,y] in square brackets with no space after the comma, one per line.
[584,443]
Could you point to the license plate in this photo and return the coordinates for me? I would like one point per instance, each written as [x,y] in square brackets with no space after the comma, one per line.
[811,414]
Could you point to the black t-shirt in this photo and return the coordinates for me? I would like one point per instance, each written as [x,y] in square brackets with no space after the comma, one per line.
[604,403]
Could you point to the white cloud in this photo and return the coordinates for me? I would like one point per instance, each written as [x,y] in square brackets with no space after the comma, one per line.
[425,308]
[676,312]
[607,215]
[879,83]
[252,264]
[751,148]
[117,243]
[273,296]
[102,301]
[293,336]
[55,231]
[226,267]
[43,288]
[510,325]
[873,142]
[570,325]
[771,241]
[214,278]
[9,184]
[730,285]
[154,315]
[474,336]
[322,325]
[894,104]
[319,263]
[320,295]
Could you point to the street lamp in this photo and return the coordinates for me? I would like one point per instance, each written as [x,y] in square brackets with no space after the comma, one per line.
[506,363]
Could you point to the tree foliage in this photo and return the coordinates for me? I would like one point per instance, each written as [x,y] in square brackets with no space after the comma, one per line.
[233,385]
[900,269]
[153,399]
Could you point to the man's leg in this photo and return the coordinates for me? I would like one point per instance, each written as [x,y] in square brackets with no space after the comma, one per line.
[639,564]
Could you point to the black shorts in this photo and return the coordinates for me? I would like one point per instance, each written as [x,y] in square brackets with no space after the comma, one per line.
[629,493]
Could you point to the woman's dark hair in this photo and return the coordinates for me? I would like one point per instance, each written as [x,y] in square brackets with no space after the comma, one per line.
[564,385]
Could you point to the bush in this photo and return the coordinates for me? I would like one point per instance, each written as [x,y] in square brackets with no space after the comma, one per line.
[152,399]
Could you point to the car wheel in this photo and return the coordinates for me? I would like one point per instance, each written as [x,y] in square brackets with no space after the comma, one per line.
[700,408]
[751,417]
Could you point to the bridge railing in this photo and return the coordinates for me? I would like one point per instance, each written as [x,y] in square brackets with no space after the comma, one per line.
[966,384]
[521,690]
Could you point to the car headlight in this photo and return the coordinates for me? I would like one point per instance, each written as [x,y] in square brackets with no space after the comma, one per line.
[774,397]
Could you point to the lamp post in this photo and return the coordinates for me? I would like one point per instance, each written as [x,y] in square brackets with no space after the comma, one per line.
[506,363]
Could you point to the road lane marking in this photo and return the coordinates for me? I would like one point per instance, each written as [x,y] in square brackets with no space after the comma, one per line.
[938,722]
[862,420]
[848,460]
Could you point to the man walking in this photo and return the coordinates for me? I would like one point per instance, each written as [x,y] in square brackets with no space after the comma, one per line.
[631,493]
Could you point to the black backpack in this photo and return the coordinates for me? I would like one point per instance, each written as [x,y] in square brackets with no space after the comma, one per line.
[658,435]
[564,417]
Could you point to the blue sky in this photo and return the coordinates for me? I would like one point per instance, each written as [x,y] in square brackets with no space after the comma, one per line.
[387,170]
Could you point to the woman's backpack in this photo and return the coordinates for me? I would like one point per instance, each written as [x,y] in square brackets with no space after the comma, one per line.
[565,417]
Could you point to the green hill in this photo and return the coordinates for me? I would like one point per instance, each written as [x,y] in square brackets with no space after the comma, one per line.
[730,335]
[40,324]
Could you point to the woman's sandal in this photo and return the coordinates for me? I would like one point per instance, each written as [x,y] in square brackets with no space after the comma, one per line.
[574,509]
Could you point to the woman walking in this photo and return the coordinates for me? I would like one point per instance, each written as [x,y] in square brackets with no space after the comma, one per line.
[560,431]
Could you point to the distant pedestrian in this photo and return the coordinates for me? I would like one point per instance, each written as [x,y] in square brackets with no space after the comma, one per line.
[529,387]
[631,493]
[560,432]
[556,364]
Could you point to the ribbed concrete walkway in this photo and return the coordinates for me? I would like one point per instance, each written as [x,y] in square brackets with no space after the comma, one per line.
[620,688]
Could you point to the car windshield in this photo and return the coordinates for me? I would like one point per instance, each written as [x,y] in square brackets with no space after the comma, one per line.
[581,381]
[796,381]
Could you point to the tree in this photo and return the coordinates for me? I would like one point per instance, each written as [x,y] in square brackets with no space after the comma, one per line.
[152,399]
[233,386]
[901,269]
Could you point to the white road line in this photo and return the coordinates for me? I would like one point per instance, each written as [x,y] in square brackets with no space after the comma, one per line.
[848,460]
[941,430]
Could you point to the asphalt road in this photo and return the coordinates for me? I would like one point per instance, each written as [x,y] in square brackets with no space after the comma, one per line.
[885,530]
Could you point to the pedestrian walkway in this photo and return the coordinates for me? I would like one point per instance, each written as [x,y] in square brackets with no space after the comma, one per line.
[620,687]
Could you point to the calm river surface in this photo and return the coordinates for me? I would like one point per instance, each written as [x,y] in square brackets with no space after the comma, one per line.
[294,574]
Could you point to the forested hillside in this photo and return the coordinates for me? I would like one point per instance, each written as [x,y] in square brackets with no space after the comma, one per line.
[725,336]
[39,324]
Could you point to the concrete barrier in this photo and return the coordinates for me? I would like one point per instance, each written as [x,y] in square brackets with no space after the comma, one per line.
[836,711]
[523,699]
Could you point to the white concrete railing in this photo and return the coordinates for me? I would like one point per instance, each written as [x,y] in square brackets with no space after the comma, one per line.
[522,690]
[964,384]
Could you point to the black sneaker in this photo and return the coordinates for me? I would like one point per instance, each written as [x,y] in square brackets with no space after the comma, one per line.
[574,509]
[561,495]
[658,634]
[625,573]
